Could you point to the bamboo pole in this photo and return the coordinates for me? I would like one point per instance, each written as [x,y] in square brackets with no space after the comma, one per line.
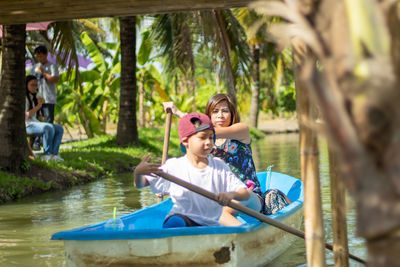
[313,223]
[339,226]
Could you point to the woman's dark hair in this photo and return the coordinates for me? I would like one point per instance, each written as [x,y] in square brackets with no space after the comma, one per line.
[218,98]
[28,79]
[28,93]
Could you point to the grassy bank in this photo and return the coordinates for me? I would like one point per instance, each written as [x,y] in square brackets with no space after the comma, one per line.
[86,161]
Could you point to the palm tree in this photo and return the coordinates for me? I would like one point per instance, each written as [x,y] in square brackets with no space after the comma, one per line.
[224,31]
[180,35]
[65,42]
[127,132]
[172,33]
[13,144]
[256,40]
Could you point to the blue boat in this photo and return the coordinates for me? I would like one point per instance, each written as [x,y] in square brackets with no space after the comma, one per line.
[138,239]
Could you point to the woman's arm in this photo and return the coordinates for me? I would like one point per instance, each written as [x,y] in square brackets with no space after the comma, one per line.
[174,109]
[238,131]
[35,109]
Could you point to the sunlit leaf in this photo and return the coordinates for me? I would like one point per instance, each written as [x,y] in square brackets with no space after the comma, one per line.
[144,49]
[94,52]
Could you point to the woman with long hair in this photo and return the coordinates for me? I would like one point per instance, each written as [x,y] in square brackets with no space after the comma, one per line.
[52,133]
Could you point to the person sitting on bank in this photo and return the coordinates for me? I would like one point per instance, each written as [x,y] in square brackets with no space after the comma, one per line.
[52,133]
[197,167]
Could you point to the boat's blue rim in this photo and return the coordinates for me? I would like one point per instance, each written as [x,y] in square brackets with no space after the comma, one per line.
[90,232]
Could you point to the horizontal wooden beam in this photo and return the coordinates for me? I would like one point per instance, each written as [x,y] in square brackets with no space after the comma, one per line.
[24,11]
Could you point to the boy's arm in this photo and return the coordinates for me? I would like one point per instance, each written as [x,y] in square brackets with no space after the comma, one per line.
[142,169]
[225,197]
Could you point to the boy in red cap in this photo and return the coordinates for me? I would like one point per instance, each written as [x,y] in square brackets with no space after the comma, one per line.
[197,167]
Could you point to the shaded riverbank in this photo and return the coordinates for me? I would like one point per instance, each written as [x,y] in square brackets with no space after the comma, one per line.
[85,161]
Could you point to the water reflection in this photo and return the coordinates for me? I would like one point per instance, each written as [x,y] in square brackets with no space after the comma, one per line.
[26,225]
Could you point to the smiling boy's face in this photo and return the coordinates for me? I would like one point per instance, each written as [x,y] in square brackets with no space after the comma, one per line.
[199,144]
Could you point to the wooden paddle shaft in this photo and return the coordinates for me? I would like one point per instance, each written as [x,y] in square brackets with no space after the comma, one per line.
[166,135]
[245,210]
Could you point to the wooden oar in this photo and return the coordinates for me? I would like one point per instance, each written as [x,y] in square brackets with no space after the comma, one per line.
[250,212]
[166,135]
[167,132]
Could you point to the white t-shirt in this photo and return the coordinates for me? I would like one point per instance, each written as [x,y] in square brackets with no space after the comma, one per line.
[216,177]
[47,88]
[33,118]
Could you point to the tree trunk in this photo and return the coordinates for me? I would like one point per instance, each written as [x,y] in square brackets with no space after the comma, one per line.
[127,132]
[255,93]
[230,80]
[13,144]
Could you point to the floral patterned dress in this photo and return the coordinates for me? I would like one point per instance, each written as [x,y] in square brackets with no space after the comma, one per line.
[239,157]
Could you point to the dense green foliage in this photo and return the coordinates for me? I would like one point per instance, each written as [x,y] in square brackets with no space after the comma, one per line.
[90,97]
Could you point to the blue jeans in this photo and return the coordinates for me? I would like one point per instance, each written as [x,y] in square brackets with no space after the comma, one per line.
[51,133]
[48,114]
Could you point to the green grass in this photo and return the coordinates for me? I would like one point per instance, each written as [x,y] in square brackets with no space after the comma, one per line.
[12,186]
[101,154]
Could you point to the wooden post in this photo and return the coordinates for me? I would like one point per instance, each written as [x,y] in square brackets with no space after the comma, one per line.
[339,226]
[313,223]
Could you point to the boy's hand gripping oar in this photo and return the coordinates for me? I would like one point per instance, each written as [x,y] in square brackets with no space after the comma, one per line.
[250,212]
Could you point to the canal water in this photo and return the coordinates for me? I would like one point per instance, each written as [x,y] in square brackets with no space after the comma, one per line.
[27,225]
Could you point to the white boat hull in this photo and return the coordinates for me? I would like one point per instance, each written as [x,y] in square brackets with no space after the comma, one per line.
[253,248]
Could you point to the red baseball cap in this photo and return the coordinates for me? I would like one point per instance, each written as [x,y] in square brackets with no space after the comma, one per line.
[187,128]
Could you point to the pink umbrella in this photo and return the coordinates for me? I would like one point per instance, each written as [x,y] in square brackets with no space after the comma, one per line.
[37,26]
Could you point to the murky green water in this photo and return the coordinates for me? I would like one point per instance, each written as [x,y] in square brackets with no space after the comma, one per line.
[26,225]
